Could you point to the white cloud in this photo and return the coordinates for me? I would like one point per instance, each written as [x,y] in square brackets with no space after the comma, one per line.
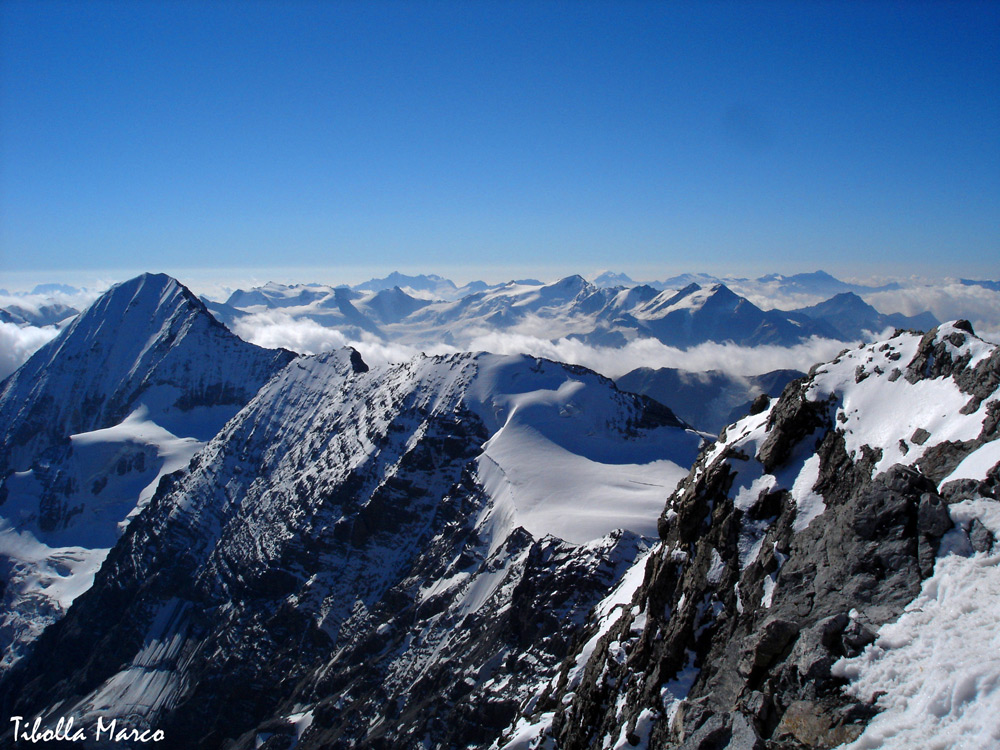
[278,329]
[770,298]
[614,361]
[947,301]
[79,300]
[17,344]
[274,329]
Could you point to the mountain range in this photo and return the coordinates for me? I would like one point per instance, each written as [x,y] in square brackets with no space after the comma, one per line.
[816,283]
[243,548]
[404,537]
[570,308]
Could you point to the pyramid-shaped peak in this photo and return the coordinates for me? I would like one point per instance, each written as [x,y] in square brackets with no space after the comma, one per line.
[849,299]
[150,285]
[695,297]
[689,289]
[139,307]
[148,341]
[573,281]
[721,291]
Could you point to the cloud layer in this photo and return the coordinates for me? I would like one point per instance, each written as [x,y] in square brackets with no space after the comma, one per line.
[274,329]
[17,344]
[948,301]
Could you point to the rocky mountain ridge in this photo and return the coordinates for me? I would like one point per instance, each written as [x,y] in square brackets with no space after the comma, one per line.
[458,551]
[794,541]
[364,557]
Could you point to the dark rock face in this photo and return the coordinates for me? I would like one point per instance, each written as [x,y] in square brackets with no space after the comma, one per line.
[765,671]
[797,417]
[334,553]
[730,640]
[332,570]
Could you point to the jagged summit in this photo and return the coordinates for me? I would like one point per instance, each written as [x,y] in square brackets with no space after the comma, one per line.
[126,394]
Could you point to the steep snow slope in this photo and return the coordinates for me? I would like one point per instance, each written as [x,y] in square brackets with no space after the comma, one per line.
[385,556]
[840,534]
[91,423]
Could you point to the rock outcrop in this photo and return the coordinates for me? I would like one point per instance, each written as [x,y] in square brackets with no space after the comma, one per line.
[793,539]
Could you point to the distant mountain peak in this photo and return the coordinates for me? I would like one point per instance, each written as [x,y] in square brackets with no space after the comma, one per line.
[572,281]
[609,279]
[49,289]
[433,284]
[852,318]
[818,275]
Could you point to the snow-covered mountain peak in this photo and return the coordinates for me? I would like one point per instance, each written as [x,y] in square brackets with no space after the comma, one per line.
[543,422]
[692,299]
[629,298]
[566,289]
[611,279]
[277,295]
[394,502]
[573,281]
[124,395]
[390,305]
[426,286]
[923,400]
[664,301]
[135,345]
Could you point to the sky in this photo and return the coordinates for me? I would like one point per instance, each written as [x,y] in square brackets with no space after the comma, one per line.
[341,140]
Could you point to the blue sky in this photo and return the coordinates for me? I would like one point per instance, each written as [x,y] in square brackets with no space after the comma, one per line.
[500,138]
